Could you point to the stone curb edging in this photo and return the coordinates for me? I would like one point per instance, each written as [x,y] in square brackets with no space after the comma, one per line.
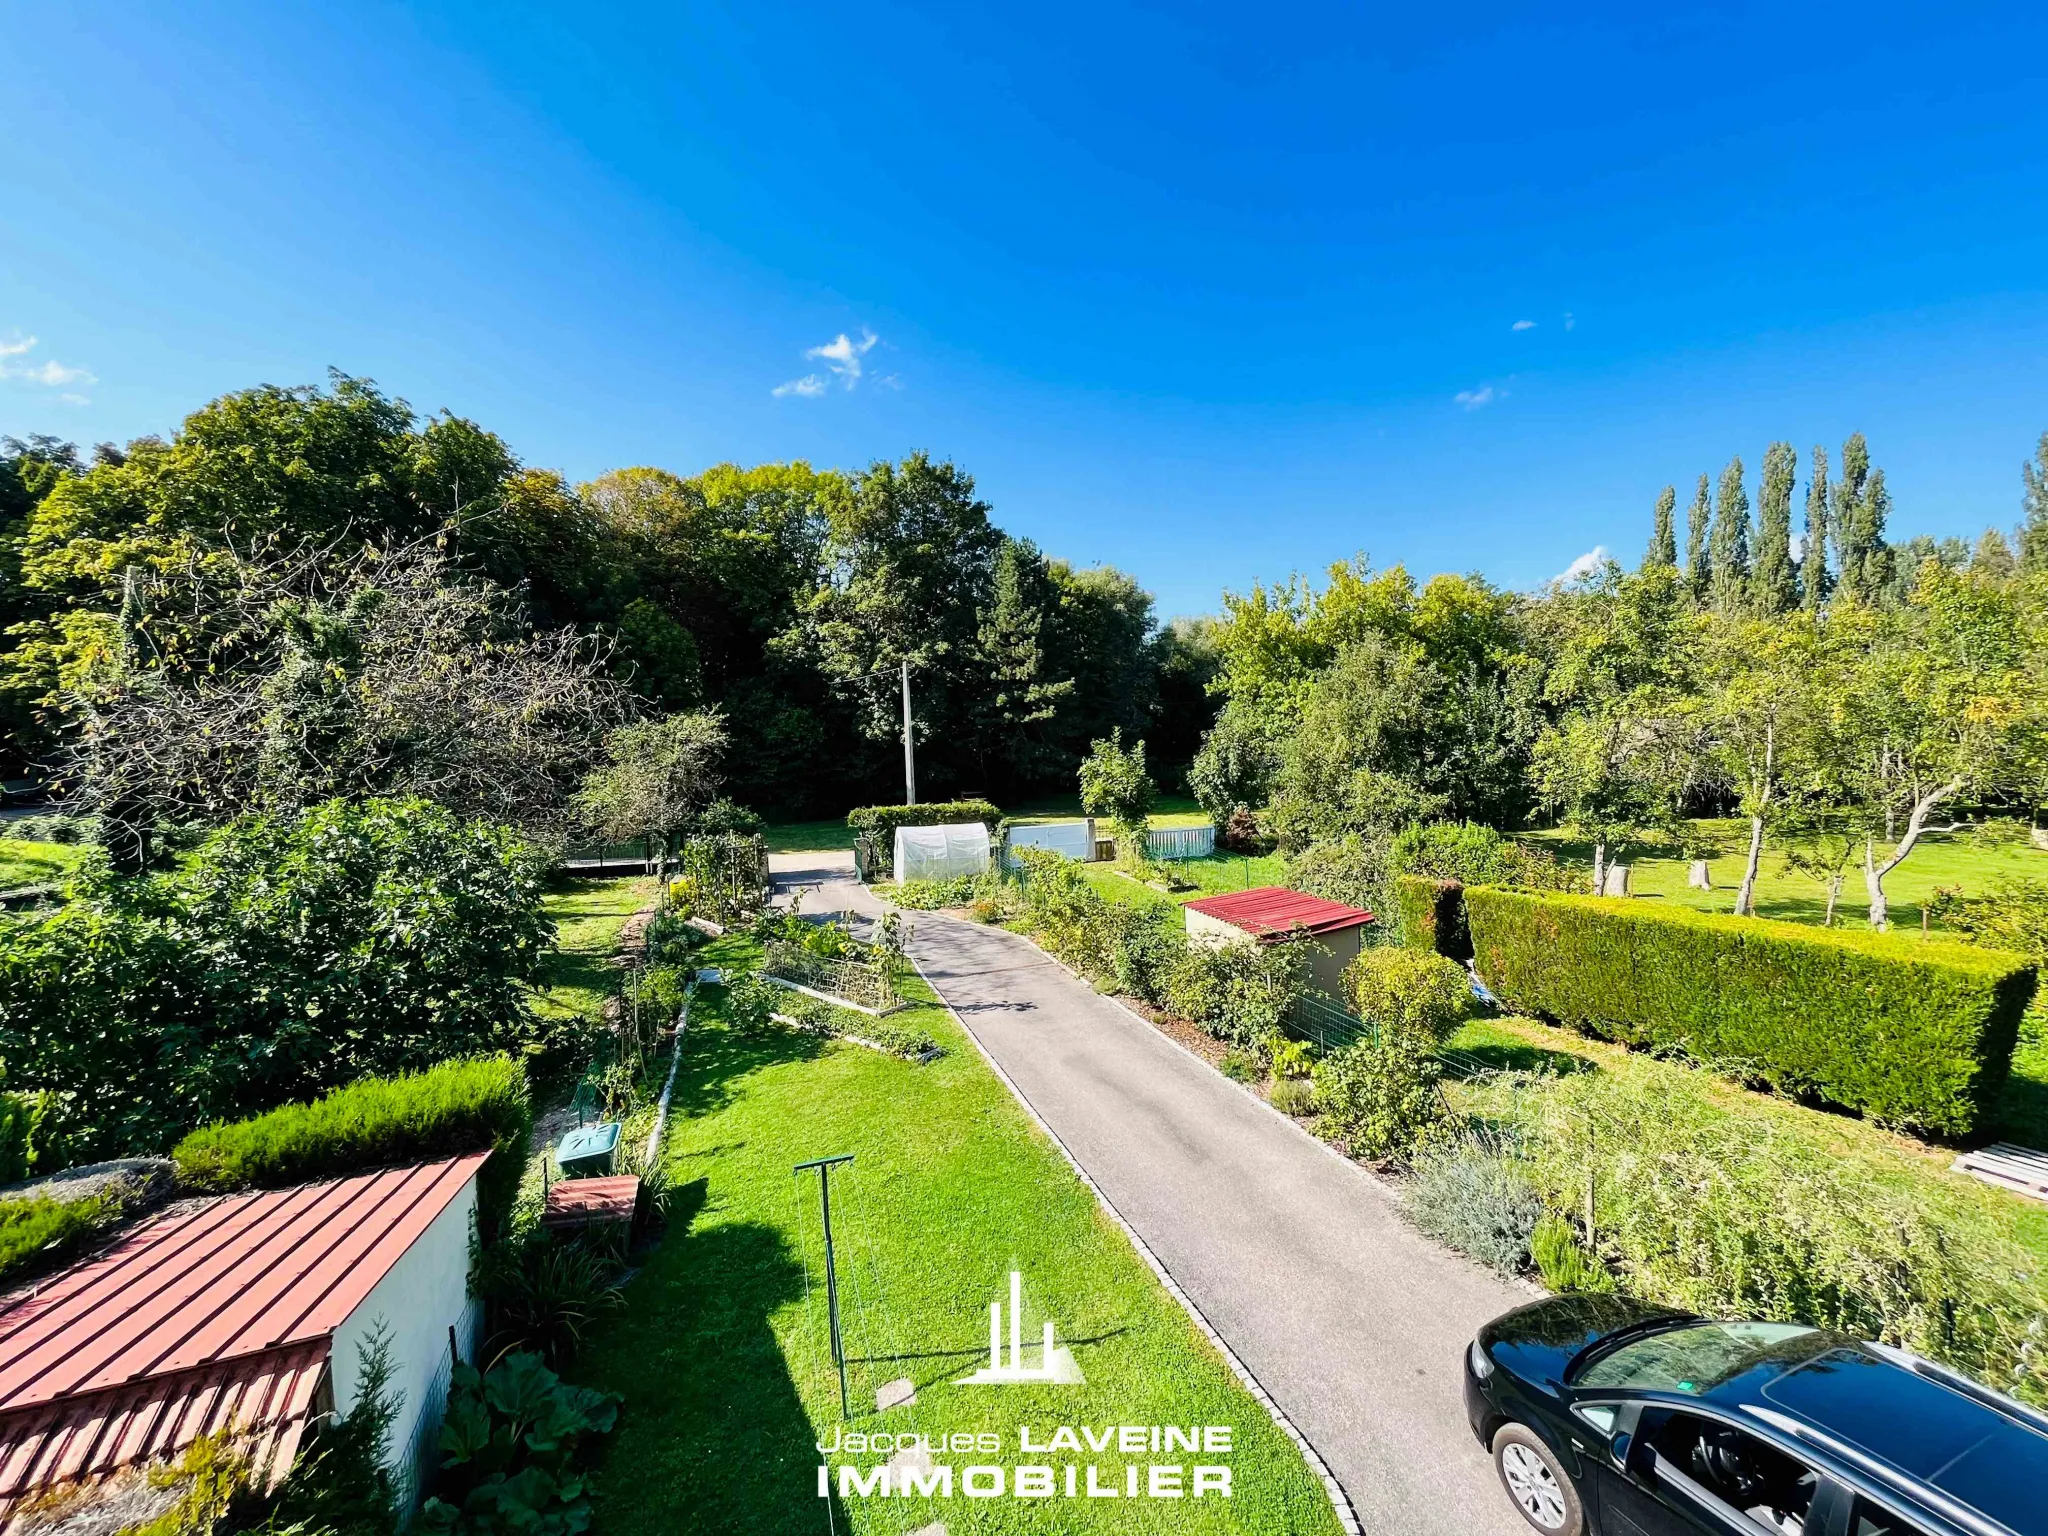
[1340,1501]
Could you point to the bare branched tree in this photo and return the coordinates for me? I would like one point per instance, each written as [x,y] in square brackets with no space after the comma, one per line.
[272,679]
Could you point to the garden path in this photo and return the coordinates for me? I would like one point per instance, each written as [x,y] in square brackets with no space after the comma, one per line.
[1351,1321]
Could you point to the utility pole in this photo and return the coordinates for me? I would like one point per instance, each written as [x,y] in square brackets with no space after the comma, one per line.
[824,1165]
[909,751]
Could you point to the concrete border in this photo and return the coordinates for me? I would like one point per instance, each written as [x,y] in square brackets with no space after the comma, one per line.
[1340,1501]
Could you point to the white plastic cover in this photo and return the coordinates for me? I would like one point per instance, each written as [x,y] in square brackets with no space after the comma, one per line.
[941,853]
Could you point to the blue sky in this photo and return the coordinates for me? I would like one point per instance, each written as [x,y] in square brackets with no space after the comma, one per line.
[1210,293]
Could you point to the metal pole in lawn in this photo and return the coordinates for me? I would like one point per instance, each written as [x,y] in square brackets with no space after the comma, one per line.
[824,1165]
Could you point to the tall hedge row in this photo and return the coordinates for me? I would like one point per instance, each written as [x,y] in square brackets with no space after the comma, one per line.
[1908,1031]
[1432,916]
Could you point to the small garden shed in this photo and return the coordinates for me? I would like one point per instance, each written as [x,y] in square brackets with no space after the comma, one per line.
[1269,914]
[245,1314]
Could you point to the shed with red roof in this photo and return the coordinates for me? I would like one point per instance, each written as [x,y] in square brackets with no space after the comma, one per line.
[1269,914]
[248,1313]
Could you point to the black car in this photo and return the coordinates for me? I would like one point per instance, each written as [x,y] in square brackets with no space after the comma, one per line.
[1608,1416]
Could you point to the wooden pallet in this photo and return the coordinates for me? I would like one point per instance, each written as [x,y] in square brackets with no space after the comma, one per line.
[2009,1166]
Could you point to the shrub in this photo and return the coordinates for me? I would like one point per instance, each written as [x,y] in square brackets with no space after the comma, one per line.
[1289,1058]
[930,895]
[1472,854]
[341,1484]
[547,1289]
[1114,784]
[1468,1197]
[38,1233]
[1293,1096]
[1738,1212]
[1563,1261]
[289,955]
[1242,993]
[1431,915]
[1241,833]
[1910,1032]
[1380,1097]
[460,1106]
[512,1448]
[1355,869]
[1240,1067]
[1409,991]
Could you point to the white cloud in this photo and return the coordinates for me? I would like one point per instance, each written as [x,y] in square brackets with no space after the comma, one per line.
[1568,321]
[1523,325]
[1473,399]
[1584,566]
[49,372]
[842,358]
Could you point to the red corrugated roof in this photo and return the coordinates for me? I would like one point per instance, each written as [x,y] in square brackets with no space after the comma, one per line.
[1272,910]
[61,1451]
[236,1276]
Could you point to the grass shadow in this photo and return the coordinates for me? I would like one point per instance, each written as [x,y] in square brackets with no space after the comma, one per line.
[714,1436]
[1516,1056]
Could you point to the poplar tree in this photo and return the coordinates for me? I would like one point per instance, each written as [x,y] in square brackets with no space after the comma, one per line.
[1697,570]
[1993,557]
[1663,540]
[1861,508]
[1814,581]
[2033,529]
[1775,586]
[1728,543]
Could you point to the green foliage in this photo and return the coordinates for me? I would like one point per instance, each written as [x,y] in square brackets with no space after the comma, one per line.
[38,1233]
[1243,993]
[1431,915]
[1114,784]
[1293,1096]
[1476,855]
[289,956]
[930,895]
[1236,766]
[1562,1260]
[513,1445]
[657,777]
[1380,1097]
[1240,1066]
[1469,1197]
[460,1106]
[1410,992]
[547,1290]
[1738,1214]
[1289,1058]
[341,1484]
[1909,1032]
[1356,869]
[2011,915]
[816,1016]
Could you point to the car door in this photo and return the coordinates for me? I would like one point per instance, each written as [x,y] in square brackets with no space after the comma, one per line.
[1691,1474]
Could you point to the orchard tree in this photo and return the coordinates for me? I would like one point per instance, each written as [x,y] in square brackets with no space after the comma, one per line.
[1761,677]
[657,777]
[1116,785]
[1937,703]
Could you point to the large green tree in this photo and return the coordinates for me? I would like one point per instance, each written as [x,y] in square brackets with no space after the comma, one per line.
[1663,548]
[1729,544]
[1815,582]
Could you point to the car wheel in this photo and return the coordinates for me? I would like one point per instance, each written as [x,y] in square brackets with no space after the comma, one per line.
[1536,1483]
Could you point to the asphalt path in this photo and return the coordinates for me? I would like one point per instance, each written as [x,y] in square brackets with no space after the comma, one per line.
[1351,1321]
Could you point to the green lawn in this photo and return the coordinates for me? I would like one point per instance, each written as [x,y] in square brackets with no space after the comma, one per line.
[578,976]
[1940,860]
[25,863]
[722,1353]
[1526,1045]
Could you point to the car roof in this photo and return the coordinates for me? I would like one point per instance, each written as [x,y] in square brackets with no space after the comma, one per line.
[1917,1421]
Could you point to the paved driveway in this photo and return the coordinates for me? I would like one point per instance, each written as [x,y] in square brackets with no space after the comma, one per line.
[1352,1322]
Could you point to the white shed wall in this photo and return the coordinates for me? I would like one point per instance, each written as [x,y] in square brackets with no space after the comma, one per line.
[1075,839]
[418,1300]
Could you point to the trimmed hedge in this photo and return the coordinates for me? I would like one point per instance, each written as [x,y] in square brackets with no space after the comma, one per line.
[1432,916]
[38,1233]
[1908,1031]
[459,1106]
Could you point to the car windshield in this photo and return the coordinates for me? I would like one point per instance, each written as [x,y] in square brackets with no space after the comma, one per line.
[1693,1359]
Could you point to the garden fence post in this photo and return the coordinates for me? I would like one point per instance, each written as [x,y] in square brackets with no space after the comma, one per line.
[824,1166]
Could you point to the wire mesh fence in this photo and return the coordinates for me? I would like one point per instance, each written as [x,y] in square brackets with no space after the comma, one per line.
[870,983]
